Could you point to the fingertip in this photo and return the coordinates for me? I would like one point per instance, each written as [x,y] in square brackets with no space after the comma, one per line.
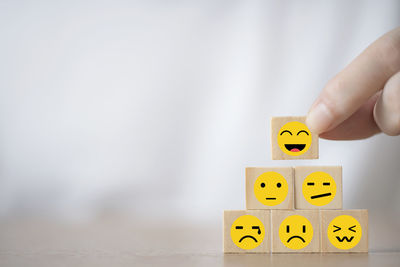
[319,119]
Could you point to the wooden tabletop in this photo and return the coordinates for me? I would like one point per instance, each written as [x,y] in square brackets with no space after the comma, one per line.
[127,242]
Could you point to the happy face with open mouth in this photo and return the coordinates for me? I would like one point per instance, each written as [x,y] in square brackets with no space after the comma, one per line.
[344,232]
[294,138]
[296,232]
[247,232]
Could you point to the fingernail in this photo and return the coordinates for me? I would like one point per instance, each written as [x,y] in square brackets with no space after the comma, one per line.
[319,118]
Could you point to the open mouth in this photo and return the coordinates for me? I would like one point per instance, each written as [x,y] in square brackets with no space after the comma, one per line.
[345,238]
[248,236]
[296,236]
[295,147]
[321,195]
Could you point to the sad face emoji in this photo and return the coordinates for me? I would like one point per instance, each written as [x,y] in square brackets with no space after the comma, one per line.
[294,138]
[247,232]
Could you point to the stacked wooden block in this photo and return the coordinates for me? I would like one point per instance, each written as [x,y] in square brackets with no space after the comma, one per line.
[294,209]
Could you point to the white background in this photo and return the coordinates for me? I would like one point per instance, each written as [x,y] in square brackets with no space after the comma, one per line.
[154,108]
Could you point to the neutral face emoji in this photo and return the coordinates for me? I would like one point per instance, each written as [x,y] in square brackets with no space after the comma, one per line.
[271,188]
[344,232]
[247,232]
[294,138]
[296,232]
[319,188]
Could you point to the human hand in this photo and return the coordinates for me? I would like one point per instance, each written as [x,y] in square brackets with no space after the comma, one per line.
[364,98]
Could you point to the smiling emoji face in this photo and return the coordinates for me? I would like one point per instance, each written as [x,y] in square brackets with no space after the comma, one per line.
[344,232]
[296,232]
[319,188]
[271,188]
[294,138]
[247,232]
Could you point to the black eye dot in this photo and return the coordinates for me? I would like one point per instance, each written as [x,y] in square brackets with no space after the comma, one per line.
[278,185]
[262,185]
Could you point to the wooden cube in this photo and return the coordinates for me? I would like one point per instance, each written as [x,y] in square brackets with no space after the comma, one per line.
[295,231]
[344,230]
[269,188]
[318,187]
[291,139]
[247,231]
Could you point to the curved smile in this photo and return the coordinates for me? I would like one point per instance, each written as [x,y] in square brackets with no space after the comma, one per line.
[296,236]
[295,147]
[248,236]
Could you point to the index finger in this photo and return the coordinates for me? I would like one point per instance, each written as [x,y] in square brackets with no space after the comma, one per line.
[356,83]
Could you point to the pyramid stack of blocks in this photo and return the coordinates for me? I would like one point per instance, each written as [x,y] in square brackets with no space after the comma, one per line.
[294,209]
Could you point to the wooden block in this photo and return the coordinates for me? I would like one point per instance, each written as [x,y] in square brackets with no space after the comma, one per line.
[295,231]
[291,139]
[269,188]
[344,230]
[247,231]
[318,187]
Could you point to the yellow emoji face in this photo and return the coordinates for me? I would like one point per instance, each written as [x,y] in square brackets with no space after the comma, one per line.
[319,188]
[247,232]
[296,232]
[294,138]
[344,232]
[271,188]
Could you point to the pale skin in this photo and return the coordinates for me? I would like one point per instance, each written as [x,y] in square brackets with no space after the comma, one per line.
[364,98]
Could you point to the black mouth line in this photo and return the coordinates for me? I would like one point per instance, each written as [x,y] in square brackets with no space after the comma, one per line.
[296,236]
[321,195]
[344,238]
[248,236]
[300,147]
[270,198]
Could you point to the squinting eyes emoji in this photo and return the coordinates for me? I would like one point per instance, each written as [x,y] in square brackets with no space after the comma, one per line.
[294,138]
[344,232]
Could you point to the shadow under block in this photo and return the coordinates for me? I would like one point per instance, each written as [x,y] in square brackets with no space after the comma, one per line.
[295,231]
[269,188]
[291,139]
[318,187]
[344,231]
[247,231]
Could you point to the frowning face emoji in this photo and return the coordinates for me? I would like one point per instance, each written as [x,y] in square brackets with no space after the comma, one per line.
[247,232]
[344,232]
[296,232]
[294,138]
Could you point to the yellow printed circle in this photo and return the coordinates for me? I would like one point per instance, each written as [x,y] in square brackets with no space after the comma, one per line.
[271,188]
[294,138]
[247,232]
[319,188]
[296,232]
[344,232]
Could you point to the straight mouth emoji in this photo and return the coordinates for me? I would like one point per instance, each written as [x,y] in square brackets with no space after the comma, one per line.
[248,236]
[296,236]
[345,238]
[295,147]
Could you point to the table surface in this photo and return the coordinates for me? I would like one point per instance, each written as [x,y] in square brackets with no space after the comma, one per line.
[121,242]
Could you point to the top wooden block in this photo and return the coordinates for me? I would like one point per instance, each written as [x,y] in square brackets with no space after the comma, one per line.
[291,139]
